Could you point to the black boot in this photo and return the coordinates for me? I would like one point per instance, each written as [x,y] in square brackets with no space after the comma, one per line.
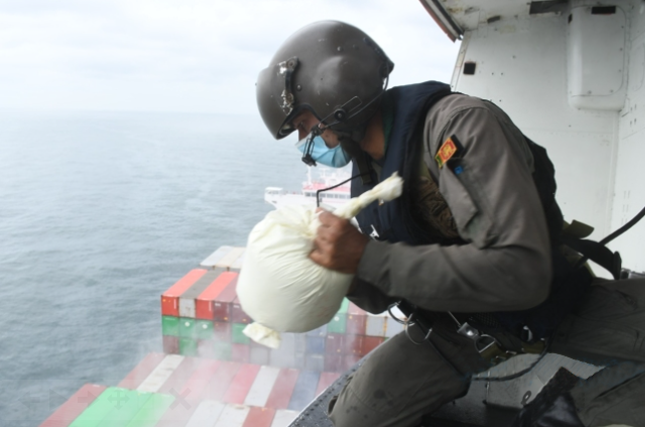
[553,406]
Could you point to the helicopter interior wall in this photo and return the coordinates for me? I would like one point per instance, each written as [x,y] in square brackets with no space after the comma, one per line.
[630,171]
[521,65]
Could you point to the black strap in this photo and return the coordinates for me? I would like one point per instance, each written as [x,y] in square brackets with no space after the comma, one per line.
[597,252]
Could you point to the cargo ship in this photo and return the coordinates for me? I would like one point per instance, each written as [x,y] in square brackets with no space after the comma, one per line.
[571,75]
[315,191]
[211,374]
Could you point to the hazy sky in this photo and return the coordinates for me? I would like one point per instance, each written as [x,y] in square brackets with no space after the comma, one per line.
[188,55]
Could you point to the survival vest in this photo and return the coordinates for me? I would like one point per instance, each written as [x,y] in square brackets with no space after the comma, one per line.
[394,222]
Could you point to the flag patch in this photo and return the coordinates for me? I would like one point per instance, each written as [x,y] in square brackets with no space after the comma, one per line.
[447,150]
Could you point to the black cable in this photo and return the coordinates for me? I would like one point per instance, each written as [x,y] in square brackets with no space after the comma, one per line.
[334,186]
[615,234]
[624,228]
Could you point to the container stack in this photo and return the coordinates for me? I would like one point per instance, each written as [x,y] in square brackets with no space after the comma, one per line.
[201,316]
[176,391]
[212,374]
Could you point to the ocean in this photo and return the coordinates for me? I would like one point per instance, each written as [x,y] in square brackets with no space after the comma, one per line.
[99,214]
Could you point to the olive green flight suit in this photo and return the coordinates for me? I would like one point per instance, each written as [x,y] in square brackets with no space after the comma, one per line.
[505,265]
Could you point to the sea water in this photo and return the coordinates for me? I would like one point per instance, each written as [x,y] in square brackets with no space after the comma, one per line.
[99,214]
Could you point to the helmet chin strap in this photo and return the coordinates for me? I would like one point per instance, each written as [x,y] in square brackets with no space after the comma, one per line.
[307,158]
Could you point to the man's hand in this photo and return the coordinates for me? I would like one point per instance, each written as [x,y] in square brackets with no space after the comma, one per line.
[338,244]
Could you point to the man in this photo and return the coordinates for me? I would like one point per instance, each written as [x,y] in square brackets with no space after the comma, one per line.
[475,238]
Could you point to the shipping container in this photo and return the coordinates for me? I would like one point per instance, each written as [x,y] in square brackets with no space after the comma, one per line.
[258,394]
[170,344]
[241,384]
[338,324]
[259,417]
[222,305]
[188,297]
[74,406]
[204,302]
[230,258]
[161,373]
[212,260]
[141,371]
[356,320]
[170,298]
[282,389]
[237,313]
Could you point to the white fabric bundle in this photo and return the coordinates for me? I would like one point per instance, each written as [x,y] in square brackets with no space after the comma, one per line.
[279,286]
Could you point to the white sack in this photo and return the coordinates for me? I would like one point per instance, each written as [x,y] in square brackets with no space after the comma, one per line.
[279,286]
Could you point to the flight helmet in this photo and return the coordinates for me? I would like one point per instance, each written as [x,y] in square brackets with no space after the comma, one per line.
[330,68]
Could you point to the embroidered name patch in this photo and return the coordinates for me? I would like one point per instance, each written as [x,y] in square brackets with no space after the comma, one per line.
[447,150]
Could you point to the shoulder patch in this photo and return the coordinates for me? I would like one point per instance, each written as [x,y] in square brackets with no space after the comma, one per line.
[448,150]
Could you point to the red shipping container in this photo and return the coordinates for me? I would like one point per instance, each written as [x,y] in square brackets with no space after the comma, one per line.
[326,379]
[170,298]
[352,344]
[170,344]
[187,300]
[240,353]
[222,305]
[190,395]
[356,320]
[283,389]
[141,371]
[222,379]
[74,406]
[370,343]
[238,315]
[259,417]
[204,302]
[178,377]
[241,384]
[334,344]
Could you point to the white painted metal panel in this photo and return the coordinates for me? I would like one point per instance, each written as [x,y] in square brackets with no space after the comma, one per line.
[283,418]
[161,373]
[630,171]
[521,66]
[596,58]
[233,416]
[206,414]
[262,386]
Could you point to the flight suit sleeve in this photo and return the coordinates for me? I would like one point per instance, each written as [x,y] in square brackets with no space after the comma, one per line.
[368,297]
[505,263]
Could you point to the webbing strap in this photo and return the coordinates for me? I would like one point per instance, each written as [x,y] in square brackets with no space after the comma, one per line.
[596,252]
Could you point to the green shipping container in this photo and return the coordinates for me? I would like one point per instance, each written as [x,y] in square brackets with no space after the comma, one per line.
[338,323]
[237,336]
[204,329]
[187,327]
[151,412]
[187,346]
[170,325]
[114,407]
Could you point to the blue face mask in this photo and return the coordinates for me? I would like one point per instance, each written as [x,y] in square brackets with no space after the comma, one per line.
[334,157]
